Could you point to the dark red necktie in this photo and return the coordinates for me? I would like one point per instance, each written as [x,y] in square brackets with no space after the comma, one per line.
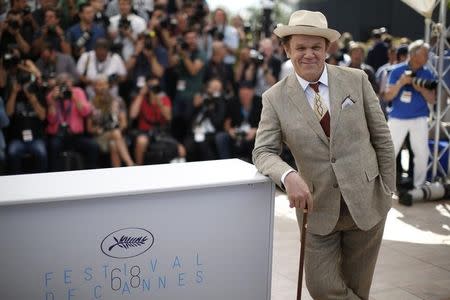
[321,110]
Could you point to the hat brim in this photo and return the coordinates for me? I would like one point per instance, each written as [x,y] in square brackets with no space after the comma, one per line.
[286,30]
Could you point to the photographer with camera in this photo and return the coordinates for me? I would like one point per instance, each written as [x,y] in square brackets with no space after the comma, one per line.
[410,89]
[216,68]
[51,33]
[209,116]
[124,29]
[219,30]
[107,122]
[241,121]
[190,69]
[26,110]
[101,61]
[149,59]
[82,36]
[51,63]
[153,111]
[12,33]
[268,70]
[67,110]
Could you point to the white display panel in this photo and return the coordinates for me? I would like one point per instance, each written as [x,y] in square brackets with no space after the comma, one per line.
[202,242]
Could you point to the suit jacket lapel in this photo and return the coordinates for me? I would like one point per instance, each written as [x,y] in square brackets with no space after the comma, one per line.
[297,96]
[337,92]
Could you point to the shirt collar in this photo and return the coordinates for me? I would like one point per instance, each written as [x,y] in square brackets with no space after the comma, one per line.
[323,79]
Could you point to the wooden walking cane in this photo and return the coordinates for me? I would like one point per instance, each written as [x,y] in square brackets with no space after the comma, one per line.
[302,254]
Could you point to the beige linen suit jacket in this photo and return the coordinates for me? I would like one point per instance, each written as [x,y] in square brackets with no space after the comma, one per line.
[357,162]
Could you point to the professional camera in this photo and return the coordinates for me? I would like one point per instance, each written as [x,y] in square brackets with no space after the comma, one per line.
[429,192]
[168,23]
[148,44]
[51,30]
[13,24]
[154,88]
[26,10]
[216,34]
[256,57]
[46,77]
[65,92]
[82,40]
[113,78]
[240,137]
[10,60]
[429,84]
[124,23]
[209,100]
[183,45]
[109,122]
[26,80]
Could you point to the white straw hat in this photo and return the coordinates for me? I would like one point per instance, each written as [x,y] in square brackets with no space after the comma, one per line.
[308,23]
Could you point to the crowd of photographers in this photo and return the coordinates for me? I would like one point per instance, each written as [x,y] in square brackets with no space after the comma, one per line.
[87,84]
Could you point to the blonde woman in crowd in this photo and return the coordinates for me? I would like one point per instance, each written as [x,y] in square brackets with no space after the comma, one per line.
[107,121]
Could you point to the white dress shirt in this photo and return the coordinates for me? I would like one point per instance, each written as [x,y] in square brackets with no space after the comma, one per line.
[324,93]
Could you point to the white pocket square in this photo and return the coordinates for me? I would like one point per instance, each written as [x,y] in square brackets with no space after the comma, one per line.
[347,102]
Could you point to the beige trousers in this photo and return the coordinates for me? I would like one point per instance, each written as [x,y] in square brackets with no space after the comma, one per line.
[340,265]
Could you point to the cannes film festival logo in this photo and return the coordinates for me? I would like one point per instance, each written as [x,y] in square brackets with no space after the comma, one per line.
[127,242]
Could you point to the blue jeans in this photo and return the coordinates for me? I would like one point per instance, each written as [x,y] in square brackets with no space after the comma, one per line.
[18,148]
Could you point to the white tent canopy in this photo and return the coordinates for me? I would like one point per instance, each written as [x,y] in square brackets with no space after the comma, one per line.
[423,7]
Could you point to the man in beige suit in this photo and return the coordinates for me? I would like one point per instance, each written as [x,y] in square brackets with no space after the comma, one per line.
[331,120]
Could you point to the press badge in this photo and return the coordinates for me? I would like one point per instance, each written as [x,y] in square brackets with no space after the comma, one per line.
[140,82]
[181,85]
[199,134]
[406,97]
[27,135]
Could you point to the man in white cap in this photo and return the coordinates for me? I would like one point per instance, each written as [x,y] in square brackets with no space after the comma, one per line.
[331,120]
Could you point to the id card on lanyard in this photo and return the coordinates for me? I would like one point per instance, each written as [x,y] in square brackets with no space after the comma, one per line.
[65,106]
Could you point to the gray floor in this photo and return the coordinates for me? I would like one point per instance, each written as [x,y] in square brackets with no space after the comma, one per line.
[414,261]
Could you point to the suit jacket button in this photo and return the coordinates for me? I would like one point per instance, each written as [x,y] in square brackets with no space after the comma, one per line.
[333,160]
[335,185]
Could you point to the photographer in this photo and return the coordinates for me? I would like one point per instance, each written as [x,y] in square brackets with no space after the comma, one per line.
[152,109]
[149,59]
[82,36]
[221,31]
[67,110]
[209,115]
[51,33]
[12,35]
[124,29]
[101,61]
[26,110]
[268,70]
[411,86]
[216,68]
[51,63]
[190,68]
[240,124]
[107,122]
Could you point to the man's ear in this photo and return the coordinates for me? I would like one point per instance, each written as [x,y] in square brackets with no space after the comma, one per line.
[287,49]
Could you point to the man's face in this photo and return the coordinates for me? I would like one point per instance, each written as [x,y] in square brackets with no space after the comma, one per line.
[88,14]
[219,17]
[357,56]
[50,18]
[124,7]
[101,54]
[246,95]
[191,40]
[419,59]
[307,54]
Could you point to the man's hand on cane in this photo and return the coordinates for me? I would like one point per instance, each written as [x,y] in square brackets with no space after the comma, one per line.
[298,192]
